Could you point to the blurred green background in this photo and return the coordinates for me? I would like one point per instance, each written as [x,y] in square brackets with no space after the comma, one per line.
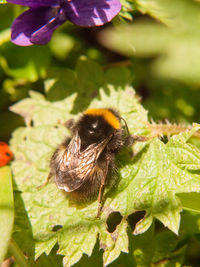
[157,41]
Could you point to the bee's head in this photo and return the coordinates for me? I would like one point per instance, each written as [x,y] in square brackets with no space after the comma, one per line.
[93,129]
[96,125]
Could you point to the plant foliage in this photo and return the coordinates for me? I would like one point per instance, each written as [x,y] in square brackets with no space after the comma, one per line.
[151,215]
[148,182]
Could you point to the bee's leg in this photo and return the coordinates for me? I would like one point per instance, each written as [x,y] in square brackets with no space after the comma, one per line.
[130,139]
[69,124]
[101,189]
[45,182]
[100,196]
[138,138]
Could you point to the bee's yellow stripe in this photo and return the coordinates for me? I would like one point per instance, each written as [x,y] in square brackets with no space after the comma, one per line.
[106,114]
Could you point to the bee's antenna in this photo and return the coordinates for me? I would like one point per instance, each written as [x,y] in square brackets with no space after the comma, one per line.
[126,126]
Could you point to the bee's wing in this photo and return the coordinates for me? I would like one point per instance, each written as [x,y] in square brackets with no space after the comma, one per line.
[78,166]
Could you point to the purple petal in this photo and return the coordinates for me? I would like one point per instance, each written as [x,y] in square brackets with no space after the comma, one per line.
[35,3]
[29,27]
[89,13]
[43,35]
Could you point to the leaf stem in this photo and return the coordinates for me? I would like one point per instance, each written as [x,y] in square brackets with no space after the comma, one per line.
[168,129]
[16,252]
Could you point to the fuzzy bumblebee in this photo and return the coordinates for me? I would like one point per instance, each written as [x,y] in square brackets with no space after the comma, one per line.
[83,164]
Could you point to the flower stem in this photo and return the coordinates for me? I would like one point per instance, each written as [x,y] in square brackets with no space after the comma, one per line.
[16,252]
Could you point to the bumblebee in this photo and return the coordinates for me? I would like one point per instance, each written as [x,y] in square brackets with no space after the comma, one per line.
[83,164]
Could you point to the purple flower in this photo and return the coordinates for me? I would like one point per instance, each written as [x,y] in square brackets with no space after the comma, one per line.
[36,25]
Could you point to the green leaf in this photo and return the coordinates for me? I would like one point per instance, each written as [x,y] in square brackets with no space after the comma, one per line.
[65,82]
[142,251]
[133,41]
[60,84]
[165,249]
[155,176]
[127,7]
[37,109]
[175,40]
[30,64]
[149,181]
[114,243]
[167,13]
[190,225]
[49,207]
[18,255]
[6,210]
[4,35]
[3,1]
[190,201]
[61,45]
